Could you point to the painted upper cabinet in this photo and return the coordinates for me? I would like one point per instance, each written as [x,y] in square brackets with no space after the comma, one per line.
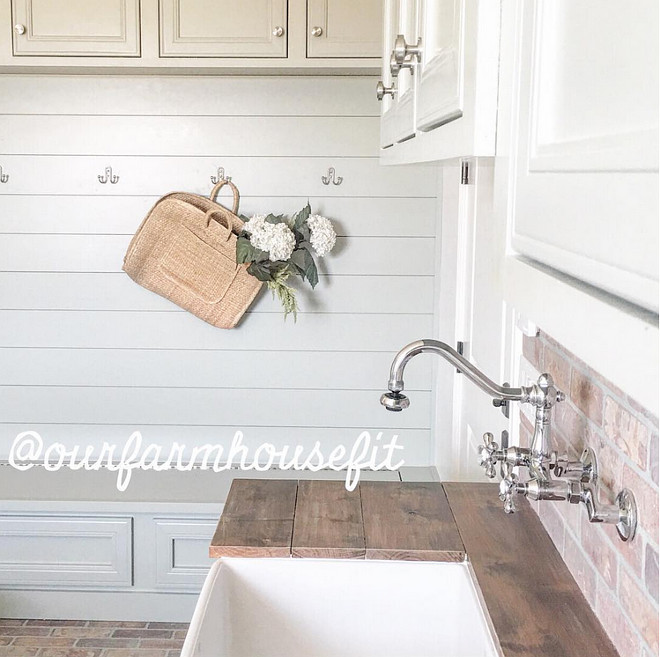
[583,121]
[450,67]
[223,28]
[344,28]
[192,36]
[76,27]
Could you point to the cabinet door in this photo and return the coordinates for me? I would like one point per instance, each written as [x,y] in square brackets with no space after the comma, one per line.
[76,27]
[584,171]
[440,84]
[65,551]
[344,28]
[223,28]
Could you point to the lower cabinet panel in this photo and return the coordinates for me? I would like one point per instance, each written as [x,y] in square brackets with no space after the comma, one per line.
[66,551]
[182,552]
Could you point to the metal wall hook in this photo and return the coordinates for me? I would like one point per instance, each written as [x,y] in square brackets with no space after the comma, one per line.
[4,177]
[108,176]
[220,176]
[332,178]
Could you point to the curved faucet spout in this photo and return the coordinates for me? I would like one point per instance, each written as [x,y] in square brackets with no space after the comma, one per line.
[475,375]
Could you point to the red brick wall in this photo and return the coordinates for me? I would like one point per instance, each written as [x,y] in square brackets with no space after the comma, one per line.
[620,580]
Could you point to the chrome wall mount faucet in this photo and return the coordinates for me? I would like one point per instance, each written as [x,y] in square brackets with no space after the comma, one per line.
[551,476]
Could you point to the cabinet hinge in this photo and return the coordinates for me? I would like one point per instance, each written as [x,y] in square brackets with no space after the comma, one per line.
[460,348]
[465,173]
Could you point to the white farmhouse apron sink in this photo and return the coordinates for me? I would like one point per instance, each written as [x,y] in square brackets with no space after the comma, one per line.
[338,608]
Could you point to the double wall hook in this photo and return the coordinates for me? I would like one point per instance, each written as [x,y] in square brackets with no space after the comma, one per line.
[108,176]
[4,177]
[332,178]
[220,176]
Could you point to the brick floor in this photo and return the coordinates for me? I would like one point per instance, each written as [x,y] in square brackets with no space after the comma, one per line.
[68,638]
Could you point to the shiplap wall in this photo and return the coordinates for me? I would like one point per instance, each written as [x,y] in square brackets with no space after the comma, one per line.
[87,355]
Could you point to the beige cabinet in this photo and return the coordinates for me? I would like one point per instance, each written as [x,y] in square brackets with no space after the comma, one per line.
[344,28]
[223,28]
[76,27]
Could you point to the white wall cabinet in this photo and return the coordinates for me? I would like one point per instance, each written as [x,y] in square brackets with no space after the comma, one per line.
[584,160]
[223,28]
[445,103]
[344,28]
[191,36]
[76,27]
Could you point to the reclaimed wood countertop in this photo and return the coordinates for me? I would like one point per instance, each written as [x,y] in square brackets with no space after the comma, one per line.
[535,606]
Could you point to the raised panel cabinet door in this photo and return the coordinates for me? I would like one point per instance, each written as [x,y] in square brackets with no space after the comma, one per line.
[344,28]
[223,28]
[76,27]
[64,551]
[585,168]
[182,552]
[440,84]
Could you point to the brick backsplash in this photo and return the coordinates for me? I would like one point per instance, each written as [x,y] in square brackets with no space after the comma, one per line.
[620,580]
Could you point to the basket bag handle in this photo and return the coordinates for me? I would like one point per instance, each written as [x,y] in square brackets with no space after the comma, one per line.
[220,184]
[223,221]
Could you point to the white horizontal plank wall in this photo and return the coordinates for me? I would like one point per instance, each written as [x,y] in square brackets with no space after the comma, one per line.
[88,356]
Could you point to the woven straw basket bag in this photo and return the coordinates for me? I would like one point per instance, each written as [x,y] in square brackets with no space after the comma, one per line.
[185,250]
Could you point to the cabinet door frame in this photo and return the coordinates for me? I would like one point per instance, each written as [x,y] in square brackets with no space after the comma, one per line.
[442,68]
[271,46]
[32,44]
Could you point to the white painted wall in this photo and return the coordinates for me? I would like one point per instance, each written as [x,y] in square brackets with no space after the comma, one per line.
[86,355]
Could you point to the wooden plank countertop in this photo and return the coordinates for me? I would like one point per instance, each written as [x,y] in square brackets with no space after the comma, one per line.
[535,606]
[378,520]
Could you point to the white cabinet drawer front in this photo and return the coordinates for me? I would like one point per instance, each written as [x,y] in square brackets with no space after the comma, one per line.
[65,551]
[223,28]
[344,28]
[182,549]
[77,27]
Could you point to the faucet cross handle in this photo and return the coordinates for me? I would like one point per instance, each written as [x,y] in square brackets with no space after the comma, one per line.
[488,455]
[508,490]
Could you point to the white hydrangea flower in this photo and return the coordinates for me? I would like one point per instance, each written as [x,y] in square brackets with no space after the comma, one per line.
[276,239]
[281,242]
[322,234]
[257,228]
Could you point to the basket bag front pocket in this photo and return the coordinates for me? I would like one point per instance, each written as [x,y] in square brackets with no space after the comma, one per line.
[196,267]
